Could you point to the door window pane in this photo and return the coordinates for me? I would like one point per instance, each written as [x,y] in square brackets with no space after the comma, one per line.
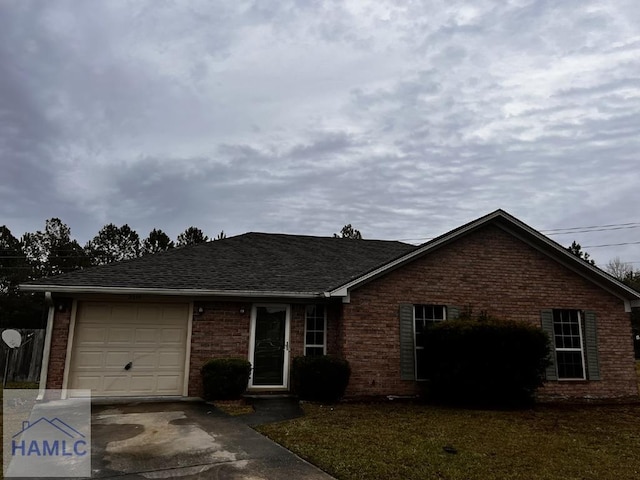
[268,357]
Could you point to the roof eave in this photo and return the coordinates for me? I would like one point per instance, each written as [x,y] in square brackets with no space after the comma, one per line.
[180,292]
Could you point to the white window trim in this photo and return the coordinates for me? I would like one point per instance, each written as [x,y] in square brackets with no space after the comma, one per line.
[416,347]
[324,331]
[564,349]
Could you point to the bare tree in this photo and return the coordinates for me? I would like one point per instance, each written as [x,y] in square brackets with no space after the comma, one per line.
[619,269]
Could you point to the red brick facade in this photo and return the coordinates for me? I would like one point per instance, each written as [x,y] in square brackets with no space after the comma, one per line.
[59,335]
[488,270]
[223,330]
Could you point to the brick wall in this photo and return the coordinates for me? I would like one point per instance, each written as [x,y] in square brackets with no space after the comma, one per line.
[59,336]
[296,335]
[486,270]
[334,313]
[221,330]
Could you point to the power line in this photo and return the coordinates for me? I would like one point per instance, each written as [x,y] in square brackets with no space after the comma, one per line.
[551,232]
[636,224]
[611,245]
[564,231]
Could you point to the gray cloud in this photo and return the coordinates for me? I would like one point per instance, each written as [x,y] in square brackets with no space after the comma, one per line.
[405,120]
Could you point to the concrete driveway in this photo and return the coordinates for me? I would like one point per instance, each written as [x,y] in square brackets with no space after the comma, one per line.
[188,440]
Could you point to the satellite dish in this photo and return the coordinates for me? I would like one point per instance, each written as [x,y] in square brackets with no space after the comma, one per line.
[12,338]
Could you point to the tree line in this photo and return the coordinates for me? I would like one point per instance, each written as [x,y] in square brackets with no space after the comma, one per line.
[53,251]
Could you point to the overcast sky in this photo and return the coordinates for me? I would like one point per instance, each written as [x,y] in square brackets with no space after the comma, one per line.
[406,119]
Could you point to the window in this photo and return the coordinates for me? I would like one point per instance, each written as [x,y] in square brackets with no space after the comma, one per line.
[315,331]
[424,317]
[567,332]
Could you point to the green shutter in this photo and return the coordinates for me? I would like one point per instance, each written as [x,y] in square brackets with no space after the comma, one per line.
[591,346]
[407,347]
[546,320]
[452,312]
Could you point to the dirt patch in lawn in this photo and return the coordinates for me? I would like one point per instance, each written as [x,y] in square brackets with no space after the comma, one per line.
[234,407]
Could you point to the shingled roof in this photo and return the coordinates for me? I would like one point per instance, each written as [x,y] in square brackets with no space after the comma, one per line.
[250,263]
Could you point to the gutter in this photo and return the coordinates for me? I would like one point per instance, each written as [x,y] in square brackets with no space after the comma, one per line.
[186,292]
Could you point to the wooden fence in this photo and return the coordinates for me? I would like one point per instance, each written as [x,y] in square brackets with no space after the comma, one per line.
[24,362]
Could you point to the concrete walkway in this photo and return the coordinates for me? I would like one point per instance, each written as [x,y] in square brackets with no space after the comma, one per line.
[191,440]
[271,409]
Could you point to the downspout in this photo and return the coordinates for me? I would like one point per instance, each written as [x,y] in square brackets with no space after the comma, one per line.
[44,368]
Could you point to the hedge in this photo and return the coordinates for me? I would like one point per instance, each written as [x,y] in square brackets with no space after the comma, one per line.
[321,378]
[225,378]
[487,363]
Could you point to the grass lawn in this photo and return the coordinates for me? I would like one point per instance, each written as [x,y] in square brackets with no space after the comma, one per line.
[409,441]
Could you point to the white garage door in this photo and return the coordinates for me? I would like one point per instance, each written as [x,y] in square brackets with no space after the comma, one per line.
[125,349]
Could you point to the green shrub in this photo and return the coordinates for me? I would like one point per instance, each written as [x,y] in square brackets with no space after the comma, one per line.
[321,378]
[486,363]
[225,378]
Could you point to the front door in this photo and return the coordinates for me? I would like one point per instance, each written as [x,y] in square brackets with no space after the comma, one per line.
[269,350]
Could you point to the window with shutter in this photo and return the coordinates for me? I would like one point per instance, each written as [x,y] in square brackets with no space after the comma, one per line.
[425,317]
[546,318]
[415,322]
[407,361]
[574,344]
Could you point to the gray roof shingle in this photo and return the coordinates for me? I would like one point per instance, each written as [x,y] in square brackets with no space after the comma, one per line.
[259,262]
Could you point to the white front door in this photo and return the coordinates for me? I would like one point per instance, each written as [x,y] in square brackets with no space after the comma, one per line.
[269,347]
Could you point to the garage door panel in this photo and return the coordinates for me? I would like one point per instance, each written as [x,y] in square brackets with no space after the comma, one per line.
[90,359]
[144,384]
[172,336]
[116,360]
[120,336]
[92,334]
[147,360]
[173,314]
[150,314]
[96,312]
[109,336]
[168,383]
[89,382]
[116,383]
[168,359]
[122,312]
[146,336]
